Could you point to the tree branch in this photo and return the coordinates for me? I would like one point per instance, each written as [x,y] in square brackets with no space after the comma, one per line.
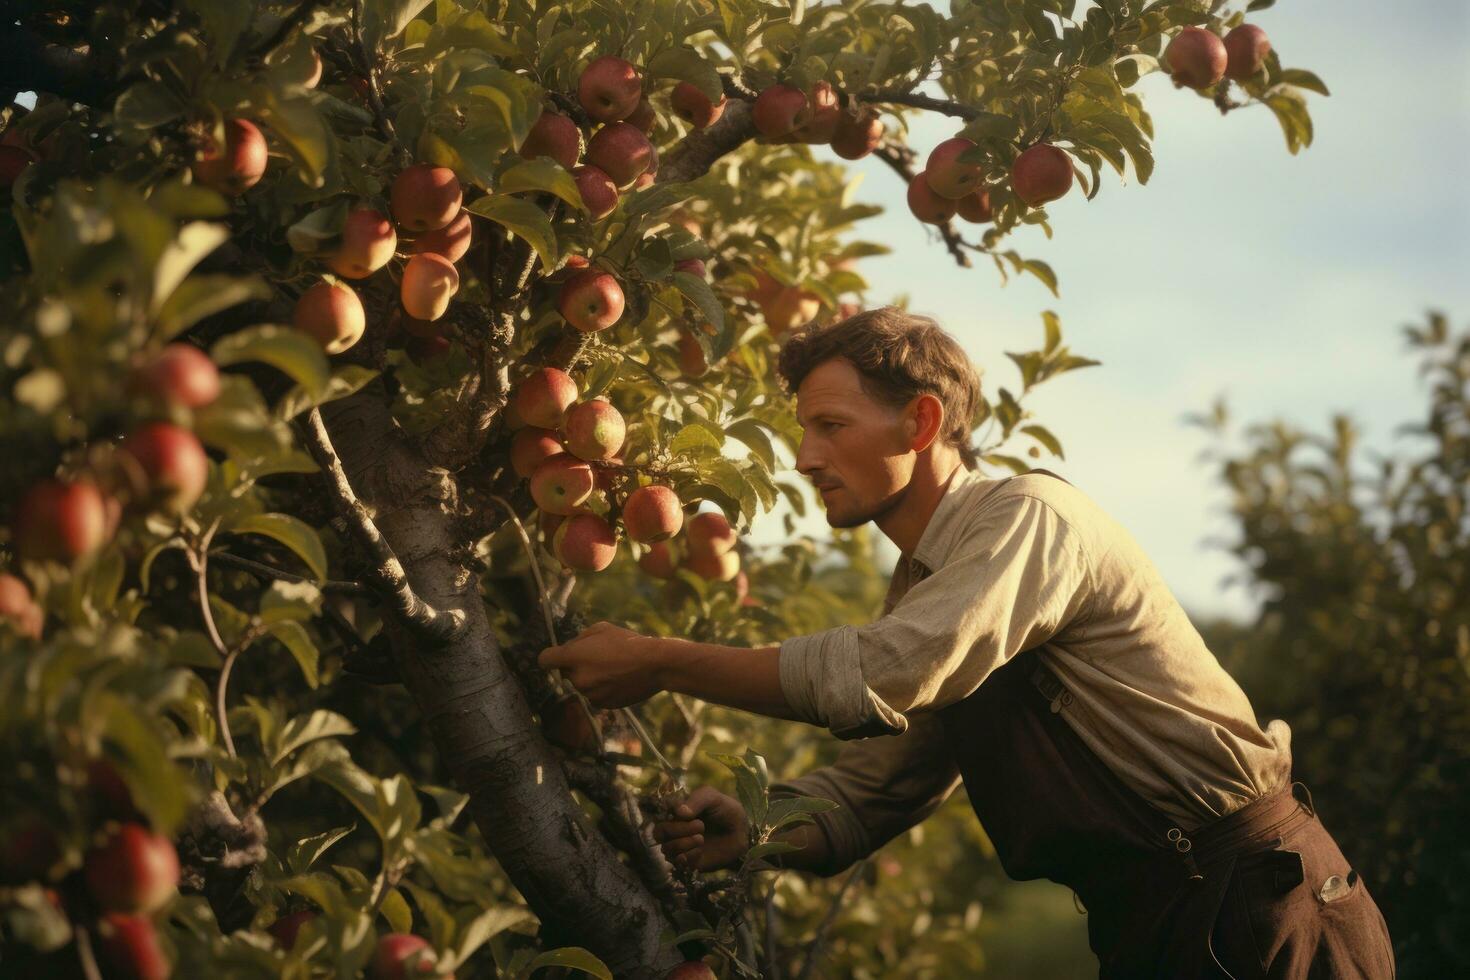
[692,156]
[441,626]
[269,571]
[901,159]
[914,100]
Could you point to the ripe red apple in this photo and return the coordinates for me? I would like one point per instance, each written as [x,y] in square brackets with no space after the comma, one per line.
[530,447]
[111,797]
[598,191]
[1196,57]
[451,241]
[1041,173]
[694,107]
[425,197]
[658,561]
[566,725]
[643,117]
[173,460]
[180,374]
[394,953]
[691,356]
[779,110]
[553,135]
[128,947]
[691,970]
[695,267]
[18,606]
[561,484]
[946,175]
[621,151]
[13,161]
[585,543]
[722,567]
[544,397]
[421,350]
[285,929]
[595,430]
[789,308]
[429,283]
[855,138]
[821,126]
[60,520]
[652,513]
[548,523]
[239,166]
[975,206]
[368,242]
[591,300]
[709,533]
[132,870]
[331,314]
[1246,48]
[609,89]
[926,205]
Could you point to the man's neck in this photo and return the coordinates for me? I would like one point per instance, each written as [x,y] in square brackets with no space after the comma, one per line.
[904,525]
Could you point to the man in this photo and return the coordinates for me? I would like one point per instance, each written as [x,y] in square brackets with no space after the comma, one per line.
[1029,647]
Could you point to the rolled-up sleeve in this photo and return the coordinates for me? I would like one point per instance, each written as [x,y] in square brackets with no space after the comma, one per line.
[1017,576]
[883,786]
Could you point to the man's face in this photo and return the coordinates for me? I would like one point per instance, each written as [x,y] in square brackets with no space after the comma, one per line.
[856,451]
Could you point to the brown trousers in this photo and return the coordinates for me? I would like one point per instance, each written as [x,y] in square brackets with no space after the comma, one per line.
[1263,892]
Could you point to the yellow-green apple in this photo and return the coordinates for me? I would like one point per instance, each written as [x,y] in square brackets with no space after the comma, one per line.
[61,520]
[926,205]
[331,314]
[398,953]
[544,397]
[721,567]
[368,241]
[238,165]
[132,870]
[652,513]
[621,151]
[451,241]
[598,191]
[779,110]
[946,175]
[429,283]
[127,946]
[709,534]
[590,300]
[694,107]
[1041,173]
[585,543]
[609,89]
[975,206]
[425,197]
[594,429]
[1196,57]
[530,447]
[1246,48]
[658,560]
[561,484]
[553,135]
[857,136]
[173,461]
[180,374]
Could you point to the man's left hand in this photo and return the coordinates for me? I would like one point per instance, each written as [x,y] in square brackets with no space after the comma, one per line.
[613,667]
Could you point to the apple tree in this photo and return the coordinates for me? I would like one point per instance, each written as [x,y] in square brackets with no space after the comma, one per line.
[359,349]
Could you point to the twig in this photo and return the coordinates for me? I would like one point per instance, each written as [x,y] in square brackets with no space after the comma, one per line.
[814,947]
[269,571]
[221,689]
[443,626]
[913,99]
[772,965]
[896,158]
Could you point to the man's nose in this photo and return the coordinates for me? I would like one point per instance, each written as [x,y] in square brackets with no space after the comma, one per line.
[808,460]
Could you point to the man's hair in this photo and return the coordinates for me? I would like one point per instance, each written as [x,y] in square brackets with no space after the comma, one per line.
[898,355]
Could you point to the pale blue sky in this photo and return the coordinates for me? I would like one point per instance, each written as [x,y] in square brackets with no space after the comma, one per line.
[1278,281]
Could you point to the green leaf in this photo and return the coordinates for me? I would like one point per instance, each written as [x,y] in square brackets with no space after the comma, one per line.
[750,432]
[290,531]
[294,638]
[1302,78]
[703,297]
[484,927]
[145,106]
[1042,435]
[302,854]
[687,65]
[524,219]
[305,729]
[321,228]
[570,958]
[344,381]
[395,909]
[695,438]
[205,295]
[193,242]
[542,174]
[283,348]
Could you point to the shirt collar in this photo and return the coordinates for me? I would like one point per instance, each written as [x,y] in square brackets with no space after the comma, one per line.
[934,544]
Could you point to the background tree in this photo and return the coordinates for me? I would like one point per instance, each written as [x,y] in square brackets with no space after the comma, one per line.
[324,312]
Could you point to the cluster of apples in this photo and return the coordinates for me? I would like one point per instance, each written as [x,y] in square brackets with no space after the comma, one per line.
[949,185]
[785,114]
[708,550]
[397,955]
[1199,58]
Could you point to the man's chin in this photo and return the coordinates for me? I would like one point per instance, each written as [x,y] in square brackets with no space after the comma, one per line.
[845,519]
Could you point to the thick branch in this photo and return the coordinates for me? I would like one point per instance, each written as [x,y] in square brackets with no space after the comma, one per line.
[625,827]
[913,99]
[443,627]
[692,156]
[901,159]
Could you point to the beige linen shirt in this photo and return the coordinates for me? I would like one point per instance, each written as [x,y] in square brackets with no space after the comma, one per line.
[1003,566]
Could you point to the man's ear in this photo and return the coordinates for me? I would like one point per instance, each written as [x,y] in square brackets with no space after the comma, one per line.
[925,420]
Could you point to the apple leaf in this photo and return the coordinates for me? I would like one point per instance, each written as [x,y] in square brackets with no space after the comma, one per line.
[205,295]
[686,65]
[288,350]
[698,292]
[541,174]
[522,218]
[571,958]
[290,531]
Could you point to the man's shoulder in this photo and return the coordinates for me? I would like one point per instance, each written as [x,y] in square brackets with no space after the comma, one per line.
[1051,489]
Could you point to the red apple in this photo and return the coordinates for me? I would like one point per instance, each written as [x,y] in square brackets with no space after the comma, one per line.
[821,126]
[926,205]
[652,513]
[695,267]
[721,567]
[530,447]
[856,137]
[1041,173]
[1196,57]
[285,929]
[946,175]
[429,283]
[128,947]
[585,543]
[132,870]
[643,117]
[239,166]
[553,135]
[591,300]
[331,314]
[451,241]
[595,430]
[544,397]
[60,520]
[425,197]
[180,374]
[691,356]
[658,561]
[975,206]
[18,607]
[789,308]
[173,460]
[709,533]
[111,797]
[561,484]
[598,191]
[1246,48]
[394,954]
[609,89]
[567,725]
[368,242]
[694,107]
[691,970]
[779,110]
[621,151]
[13,161]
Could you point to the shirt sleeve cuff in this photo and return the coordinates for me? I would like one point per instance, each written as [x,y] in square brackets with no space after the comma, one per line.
[822,680]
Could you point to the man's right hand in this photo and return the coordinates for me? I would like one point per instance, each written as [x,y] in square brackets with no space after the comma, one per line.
[710,832]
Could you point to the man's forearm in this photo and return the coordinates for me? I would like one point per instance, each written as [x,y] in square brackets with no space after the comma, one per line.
[736,677]
[814,854]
